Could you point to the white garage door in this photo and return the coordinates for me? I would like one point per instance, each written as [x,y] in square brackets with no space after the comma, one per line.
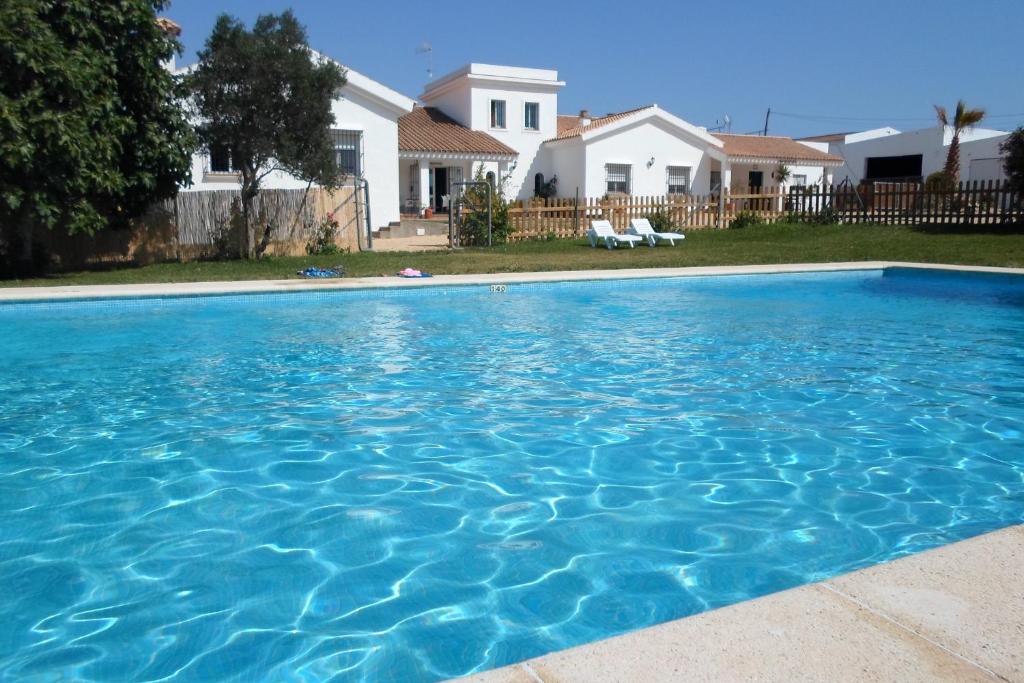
[987,169]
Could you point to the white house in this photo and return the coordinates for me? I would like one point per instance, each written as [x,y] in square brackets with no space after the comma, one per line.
[648,151]
[481,117]
[888,154]
[503,120]
[365,135]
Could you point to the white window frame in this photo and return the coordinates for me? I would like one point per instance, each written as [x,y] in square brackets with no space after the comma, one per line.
[504,115]
[798,180]
[618,170]
[674,173]
[536,118]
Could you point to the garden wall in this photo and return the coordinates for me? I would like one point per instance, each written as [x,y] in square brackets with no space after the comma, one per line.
[203,225]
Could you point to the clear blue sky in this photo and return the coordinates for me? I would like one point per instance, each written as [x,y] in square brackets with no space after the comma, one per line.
[822,66]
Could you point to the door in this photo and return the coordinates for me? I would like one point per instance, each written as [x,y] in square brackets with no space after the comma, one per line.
[440,188]
[755,179]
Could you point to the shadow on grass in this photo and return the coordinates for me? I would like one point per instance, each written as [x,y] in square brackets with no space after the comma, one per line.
[966,229]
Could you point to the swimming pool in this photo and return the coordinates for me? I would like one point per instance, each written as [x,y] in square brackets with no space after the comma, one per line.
[413,485]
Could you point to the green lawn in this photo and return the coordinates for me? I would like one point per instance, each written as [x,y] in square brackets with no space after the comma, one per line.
[781,243]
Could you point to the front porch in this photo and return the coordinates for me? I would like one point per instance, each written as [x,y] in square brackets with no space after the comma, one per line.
[435,152]
[428,182]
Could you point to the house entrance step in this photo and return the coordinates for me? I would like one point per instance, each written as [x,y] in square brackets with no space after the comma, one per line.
[413,227]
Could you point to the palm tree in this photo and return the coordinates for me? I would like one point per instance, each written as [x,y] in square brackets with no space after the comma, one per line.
[962,120]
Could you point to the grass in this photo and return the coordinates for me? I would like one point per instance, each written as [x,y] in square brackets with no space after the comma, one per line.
[780,243]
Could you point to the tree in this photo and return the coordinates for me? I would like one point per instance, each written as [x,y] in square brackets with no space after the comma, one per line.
[263,98]
[963,119]
[1012,150]
[91,127]
[473,230]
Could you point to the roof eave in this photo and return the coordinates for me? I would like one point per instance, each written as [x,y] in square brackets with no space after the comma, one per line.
[749,159]
[447,154]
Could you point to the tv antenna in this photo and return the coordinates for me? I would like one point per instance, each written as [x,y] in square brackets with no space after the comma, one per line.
[723,126]
[427,49]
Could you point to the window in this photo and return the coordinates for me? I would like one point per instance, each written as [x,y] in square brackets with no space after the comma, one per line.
[798,181]
[497,113]
[906,167]
[617,176]
[678,179]
[716,181]
[220,159]
[531,116]
[347,151]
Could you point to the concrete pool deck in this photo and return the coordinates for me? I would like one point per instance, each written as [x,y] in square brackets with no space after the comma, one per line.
[955,613]
[71,292]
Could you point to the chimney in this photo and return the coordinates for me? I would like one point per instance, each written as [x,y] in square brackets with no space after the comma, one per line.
[172,29]
[584,117]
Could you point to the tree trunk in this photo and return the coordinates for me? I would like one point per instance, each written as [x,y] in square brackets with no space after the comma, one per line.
[952,169]
[249,193]
[22,245]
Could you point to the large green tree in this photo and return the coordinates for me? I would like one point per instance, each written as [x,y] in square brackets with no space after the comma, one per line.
[264,98]
[91,126]
[1013,159]
[962,119]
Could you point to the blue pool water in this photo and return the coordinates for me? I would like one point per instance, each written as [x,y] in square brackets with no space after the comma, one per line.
[415,485]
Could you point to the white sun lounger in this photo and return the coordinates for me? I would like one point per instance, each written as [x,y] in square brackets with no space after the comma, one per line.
[602,230]
[642,228]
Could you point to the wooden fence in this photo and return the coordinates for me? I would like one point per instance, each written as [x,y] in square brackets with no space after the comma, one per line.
[200,225]
[974,203]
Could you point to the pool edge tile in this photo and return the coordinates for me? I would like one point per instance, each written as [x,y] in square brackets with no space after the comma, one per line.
[74,292]
[967,597]
[815,632]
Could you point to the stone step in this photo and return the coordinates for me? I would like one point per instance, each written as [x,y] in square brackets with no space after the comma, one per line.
[411,227]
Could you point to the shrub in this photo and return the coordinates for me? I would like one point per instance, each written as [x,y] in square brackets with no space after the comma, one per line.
[322,241]
[660,221]
[548,189]
[473,229]
[938,181]
[745,219]
[1013,159]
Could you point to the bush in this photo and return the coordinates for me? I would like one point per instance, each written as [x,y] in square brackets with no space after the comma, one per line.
[660,221]
[473,229]
[745,219]
[939,181]
[1013,159]
[323,238]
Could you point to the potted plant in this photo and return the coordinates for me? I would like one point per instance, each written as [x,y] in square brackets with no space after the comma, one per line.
[428,211]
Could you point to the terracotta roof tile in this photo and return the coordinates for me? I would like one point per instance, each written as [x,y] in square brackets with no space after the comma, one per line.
[566,121]
[169,25]
[568,126]
[428,129]
[772,147]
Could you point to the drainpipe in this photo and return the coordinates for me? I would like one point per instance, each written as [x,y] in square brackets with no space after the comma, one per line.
[366,200]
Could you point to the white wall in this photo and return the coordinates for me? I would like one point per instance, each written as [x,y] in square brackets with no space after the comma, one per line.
[352,111]
[379,125]
[567,160]
[636,145]
[466,95]
[526,142]
[930,143]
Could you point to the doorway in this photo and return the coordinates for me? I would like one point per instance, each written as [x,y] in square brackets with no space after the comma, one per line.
[440,188]
[755,179]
